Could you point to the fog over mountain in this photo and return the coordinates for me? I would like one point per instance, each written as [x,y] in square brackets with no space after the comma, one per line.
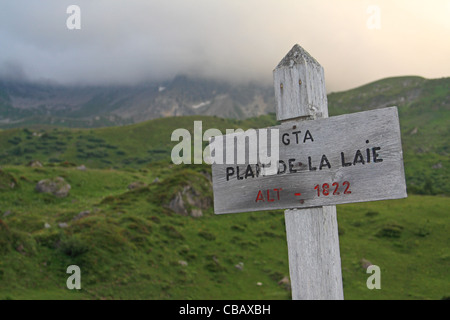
[136,41]
[23,102]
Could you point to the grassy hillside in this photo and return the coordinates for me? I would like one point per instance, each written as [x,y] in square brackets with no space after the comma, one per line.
[427,165]
[119,220]
[424,112]
[423,104]
[132,246]
[127,146]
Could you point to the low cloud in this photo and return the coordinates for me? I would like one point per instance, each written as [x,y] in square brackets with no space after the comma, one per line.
[138,40]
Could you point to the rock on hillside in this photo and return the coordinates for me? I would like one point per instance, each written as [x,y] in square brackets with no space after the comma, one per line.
[189,201]
[187,192]
[56,186]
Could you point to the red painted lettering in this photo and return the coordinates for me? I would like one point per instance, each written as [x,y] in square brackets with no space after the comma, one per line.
[268,197]
[259,197]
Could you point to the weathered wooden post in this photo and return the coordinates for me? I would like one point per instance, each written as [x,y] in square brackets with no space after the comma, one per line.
[320,162]
[312,234]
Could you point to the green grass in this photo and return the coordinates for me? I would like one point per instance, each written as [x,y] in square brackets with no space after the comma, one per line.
[424,114]
[414,262]
[427,165]
[118,147]
[130,245]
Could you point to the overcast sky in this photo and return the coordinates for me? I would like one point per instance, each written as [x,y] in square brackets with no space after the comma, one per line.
[128,41]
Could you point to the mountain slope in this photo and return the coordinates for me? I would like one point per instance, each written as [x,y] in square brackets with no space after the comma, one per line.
[23,104]
[424,107]
[129,244]
[119,225]
[424,110]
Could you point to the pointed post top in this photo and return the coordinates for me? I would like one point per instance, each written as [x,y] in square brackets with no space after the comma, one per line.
[299,83]
[297,55]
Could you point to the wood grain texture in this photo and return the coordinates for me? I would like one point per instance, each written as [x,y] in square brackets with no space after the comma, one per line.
[314,258]
[349,158]
[312,234]
[356,157]
[299,84]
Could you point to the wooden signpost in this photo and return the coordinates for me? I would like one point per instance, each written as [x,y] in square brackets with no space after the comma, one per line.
[322,162]
[349,158]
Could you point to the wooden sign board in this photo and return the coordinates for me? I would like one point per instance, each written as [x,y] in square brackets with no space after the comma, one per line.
[343,159]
